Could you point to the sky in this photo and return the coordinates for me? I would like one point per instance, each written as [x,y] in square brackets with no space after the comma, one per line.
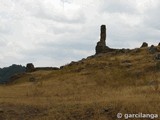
[56,32]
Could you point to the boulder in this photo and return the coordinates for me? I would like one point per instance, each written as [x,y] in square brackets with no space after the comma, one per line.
[30,67]
[144,44]
[153,49]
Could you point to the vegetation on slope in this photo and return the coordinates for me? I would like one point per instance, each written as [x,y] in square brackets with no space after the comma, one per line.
[96,88]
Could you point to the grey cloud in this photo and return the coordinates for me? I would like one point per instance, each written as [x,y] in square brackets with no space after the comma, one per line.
[5,28]
[63,29]
[64,19]
[40,10]
[152,18]
[121,6]
[133,37]
[2,42]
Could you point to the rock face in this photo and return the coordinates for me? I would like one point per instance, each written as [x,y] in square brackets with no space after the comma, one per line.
[30,67]
[101,45]
[159,44]
[144,45]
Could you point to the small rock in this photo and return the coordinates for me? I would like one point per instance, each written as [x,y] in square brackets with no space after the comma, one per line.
[106,110]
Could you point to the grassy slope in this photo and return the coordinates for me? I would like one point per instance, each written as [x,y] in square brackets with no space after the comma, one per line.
[96,88]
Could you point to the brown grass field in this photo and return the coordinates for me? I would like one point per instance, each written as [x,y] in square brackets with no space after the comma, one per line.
[95,88]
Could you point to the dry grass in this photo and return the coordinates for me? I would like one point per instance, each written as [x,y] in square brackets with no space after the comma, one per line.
[96,89]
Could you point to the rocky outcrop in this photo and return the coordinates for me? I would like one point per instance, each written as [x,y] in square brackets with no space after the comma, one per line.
[159,44]
[30,67]
[153,49]
[144,44]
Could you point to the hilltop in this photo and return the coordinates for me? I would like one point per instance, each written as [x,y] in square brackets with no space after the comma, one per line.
[95,88]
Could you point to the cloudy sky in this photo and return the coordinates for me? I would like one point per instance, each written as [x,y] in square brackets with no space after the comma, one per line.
[56,32]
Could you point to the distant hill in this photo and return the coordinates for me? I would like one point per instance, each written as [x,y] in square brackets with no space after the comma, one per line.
[7,72]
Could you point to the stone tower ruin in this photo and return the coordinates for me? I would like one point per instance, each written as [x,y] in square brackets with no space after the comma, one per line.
[103,35]
[101,45]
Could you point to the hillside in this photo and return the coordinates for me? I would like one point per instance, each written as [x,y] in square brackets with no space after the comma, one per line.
[96,88]
[7,72]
